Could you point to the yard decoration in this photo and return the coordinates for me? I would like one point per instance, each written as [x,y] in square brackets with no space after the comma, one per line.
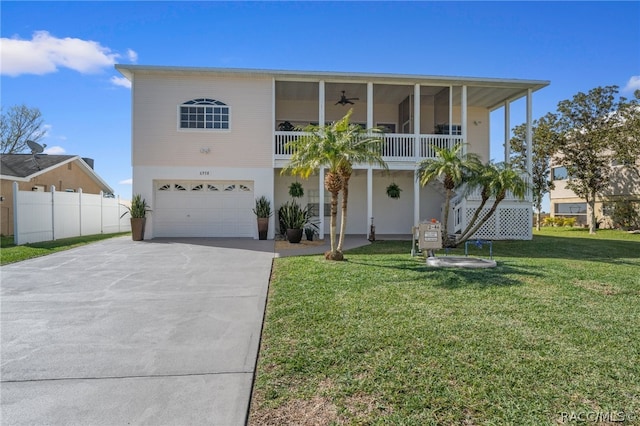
[263,212]
[138,212]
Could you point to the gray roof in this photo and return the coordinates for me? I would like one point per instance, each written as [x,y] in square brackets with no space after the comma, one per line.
[27,166]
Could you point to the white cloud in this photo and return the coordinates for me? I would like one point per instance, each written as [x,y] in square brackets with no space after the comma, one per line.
[132,55]
[45,54]
[126,182]
[121,81]
[54,150]
[633,84]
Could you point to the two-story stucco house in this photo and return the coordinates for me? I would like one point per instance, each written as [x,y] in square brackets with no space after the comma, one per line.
[206,142]
[624,184]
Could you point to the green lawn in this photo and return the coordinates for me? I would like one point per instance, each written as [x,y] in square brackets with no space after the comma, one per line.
[552,332]
[10,253]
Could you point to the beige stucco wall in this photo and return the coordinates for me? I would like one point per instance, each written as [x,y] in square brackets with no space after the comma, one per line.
[67,176]
[158,141]
[391,216]
[624,183]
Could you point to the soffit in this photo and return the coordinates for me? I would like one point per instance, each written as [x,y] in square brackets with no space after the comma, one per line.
[303,85]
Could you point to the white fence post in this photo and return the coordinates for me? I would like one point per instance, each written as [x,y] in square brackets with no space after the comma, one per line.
[15,213]
[102,212]
[80,209]
[53,219]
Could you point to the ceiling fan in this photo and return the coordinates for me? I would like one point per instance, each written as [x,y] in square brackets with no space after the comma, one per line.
[344,100]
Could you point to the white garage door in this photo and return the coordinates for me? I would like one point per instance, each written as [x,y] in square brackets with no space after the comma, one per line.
[203,209]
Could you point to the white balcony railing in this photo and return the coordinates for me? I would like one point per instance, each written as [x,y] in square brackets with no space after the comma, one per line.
[396,146]
[427,142]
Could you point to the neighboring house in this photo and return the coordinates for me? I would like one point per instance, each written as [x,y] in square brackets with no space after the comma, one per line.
[41,172]
[624,184]
[207,142]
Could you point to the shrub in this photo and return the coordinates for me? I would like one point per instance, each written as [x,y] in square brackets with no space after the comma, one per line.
[626,214]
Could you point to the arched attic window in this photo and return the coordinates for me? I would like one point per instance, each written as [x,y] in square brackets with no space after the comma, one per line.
[204,113]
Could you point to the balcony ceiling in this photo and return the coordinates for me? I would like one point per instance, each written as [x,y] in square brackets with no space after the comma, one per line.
[477,96]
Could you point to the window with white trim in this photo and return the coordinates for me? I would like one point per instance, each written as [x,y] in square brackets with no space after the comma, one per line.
[204,113]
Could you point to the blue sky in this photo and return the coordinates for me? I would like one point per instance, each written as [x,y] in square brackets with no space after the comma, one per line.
[60,56]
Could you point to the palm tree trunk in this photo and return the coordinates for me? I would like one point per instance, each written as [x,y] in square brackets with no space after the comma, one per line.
[445,224]
[332,221]
[475,215]
[485,218]
[333,184]
[343,221]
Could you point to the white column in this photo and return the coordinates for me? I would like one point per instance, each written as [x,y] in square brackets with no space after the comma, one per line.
[321,203]
[416,198]
[321,101]
[369,106]
[369,197]
[507,131]
[273,120]
[463,113]
[529,137]
[450,108]
[416,121]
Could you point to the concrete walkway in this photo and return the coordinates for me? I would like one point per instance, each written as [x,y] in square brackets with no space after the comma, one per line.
[161,332]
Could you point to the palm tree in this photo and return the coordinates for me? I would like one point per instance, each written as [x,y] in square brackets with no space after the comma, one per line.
[337,147]
[455,168]
[497,180]
[360,146]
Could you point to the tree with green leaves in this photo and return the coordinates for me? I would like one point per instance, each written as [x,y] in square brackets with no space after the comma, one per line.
[337,147]
[19,125]
[455,168]
[588,128]
[544,142]
[626,149]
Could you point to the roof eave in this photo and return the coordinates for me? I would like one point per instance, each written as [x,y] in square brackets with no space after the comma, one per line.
[129,70]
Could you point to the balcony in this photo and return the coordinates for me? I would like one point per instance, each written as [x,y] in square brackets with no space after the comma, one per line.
[396,147]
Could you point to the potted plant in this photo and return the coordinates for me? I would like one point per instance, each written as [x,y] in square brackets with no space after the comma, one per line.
[310,230]
[263,212]
[296,190]
[138,212]
[293,218]
[286,126]
[393,191]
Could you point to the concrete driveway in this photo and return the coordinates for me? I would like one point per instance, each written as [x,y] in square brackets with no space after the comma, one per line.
[161,332]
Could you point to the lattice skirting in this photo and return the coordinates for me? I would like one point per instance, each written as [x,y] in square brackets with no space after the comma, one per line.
[507,223]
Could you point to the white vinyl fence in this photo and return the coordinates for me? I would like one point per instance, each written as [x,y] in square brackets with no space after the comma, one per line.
[46,216]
